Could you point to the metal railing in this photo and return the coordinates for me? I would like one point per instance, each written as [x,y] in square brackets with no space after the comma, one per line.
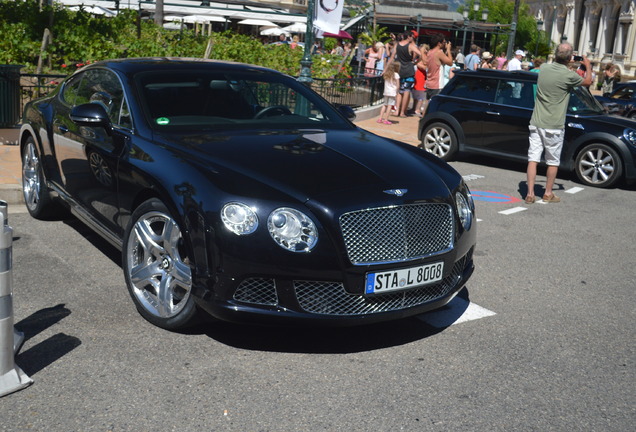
[33,86]
[356,92]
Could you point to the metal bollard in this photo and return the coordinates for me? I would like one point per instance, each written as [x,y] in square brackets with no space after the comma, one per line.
[12,378]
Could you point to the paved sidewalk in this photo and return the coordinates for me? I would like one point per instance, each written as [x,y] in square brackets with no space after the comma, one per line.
[10,167]
[402,129]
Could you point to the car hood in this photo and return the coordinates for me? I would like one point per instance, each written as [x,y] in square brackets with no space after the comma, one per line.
[316,164]
[606,120]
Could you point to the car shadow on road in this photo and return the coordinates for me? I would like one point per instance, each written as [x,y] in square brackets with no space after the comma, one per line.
[308,339]
[110,251]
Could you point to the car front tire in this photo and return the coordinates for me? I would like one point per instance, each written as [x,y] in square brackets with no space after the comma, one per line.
[440,140]
[598,165]
[157,268]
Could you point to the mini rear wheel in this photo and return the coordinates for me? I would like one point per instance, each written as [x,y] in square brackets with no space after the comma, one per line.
[598,165]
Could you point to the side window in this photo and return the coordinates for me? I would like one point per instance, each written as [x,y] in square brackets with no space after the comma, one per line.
[480,89]
[516,93]
[69,94]
[102,86]
[626,93]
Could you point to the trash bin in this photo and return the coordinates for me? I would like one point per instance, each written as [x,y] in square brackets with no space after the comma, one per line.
[9,95]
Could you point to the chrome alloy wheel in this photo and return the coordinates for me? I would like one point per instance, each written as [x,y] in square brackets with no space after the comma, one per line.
[597,166]
[160,277]
[439,140]
[31,177]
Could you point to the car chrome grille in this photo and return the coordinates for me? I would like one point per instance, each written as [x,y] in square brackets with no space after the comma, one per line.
[331,298]
[257,291]
[397,233]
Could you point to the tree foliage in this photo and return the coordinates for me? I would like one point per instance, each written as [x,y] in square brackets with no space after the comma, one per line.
[79,37]
[526,36]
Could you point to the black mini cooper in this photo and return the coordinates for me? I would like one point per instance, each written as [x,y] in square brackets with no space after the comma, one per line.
[488,112]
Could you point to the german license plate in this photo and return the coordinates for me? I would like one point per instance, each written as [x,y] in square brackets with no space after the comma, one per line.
[392,280]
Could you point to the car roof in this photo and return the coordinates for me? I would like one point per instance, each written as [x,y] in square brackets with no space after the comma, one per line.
[141,64]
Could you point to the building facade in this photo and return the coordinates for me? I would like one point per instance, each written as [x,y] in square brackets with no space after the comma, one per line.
[603,30]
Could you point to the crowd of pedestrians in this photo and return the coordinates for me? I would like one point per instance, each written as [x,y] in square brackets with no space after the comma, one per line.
[425,69]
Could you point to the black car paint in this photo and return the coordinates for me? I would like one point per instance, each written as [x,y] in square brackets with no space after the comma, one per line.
[195,174]
[507,134]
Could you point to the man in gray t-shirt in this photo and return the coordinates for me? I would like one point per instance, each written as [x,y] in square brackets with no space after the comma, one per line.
[547,125]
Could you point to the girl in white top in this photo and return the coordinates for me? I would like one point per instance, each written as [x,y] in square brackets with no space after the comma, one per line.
[391,83]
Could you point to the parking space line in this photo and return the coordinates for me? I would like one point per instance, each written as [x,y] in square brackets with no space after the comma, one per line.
[513,210]
[456,312]
[574,190]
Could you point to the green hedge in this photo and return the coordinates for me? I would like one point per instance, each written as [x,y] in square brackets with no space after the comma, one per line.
[80,37]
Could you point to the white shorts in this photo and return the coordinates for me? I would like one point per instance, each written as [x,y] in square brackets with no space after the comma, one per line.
[389,100]
[550,140]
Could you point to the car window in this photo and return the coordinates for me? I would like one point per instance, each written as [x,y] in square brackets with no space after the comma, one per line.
[481,89]
[516,93]
[102,86]
[624,93]
[205,99]
[71,87]
[583,103]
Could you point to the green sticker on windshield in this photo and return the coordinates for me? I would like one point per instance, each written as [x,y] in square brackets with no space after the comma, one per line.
[163,121]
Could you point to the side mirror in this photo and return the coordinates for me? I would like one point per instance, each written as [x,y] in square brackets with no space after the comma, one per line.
[346,111]
[92,115]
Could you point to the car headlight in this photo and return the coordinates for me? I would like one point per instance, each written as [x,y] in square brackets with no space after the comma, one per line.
[239,218]
[630,136]
[464,209]
[292,229]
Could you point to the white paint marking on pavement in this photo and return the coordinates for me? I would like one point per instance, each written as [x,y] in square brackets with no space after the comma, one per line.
[456,312]
[478,220]
[513,210]
[574,190]
[470,177]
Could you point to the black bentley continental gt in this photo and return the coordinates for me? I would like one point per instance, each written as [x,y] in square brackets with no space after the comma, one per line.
[236,190]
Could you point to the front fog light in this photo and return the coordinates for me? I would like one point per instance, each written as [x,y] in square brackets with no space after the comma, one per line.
[464,210]
[292,229]
[239,218]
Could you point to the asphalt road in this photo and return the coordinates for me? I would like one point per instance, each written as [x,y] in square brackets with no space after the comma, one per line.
[554,352]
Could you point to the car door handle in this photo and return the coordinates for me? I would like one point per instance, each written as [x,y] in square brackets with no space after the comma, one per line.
[63,129]
[493,113]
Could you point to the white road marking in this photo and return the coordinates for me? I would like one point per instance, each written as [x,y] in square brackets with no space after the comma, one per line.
[574,190]
[513,210]
[456,312]
[470,177]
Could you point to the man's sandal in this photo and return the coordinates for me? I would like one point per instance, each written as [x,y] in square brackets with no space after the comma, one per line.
[530,199]
[551,198]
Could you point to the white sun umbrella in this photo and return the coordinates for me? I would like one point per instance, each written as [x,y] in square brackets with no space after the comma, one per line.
[274,31]
[258,22]
[194,18]
[296,28]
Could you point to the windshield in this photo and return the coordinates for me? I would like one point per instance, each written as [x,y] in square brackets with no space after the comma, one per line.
[583,103]
[200,99]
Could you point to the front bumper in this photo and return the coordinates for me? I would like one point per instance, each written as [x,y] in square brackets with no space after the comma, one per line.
[281,300]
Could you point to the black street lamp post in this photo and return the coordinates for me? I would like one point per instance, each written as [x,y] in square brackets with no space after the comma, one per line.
[305,63]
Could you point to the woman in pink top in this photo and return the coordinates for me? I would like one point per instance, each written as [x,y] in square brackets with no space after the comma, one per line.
[373,55]
[501,60]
